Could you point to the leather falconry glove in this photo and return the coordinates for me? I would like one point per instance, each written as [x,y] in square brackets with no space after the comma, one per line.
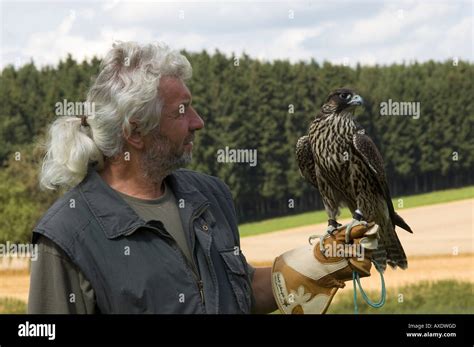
[305,279]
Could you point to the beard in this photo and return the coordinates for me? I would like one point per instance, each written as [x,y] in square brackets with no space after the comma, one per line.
[163,157]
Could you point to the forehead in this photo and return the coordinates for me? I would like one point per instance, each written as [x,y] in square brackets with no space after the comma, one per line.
[173,90]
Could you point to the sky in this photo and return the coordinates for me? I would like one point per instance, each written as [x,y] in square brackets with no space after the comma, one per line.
[339,31]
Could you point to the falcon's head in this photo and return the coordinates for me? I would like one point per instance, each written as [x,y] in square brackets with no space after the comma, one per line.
[342,99]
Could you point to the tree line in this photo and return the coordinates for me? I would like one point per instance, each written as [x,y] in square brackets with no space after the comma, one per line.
[262,108]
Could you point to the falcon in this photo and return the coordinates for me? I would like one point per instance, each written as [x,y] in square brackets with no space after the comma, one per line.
[344,164]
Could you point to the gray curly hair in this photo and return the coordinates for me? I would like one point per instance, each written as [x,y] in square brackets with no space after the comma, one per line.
[125,90]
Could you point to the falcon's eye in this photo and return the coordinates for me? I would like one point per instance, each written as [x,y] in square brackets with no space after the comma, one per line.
[345,96]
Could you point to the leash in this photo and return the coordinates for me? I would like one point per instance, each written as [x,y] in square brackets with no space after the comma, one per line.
[356,282]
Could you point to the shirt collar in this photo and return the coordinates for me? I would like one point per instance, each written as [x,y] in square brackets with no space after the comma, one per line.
[116,218]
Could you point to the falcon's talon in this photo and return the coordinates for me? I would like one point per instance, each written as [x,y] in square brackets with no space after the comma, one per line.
[358,215]
[331,229]
[321,242]
[311,238]
[332,226]
[352,224]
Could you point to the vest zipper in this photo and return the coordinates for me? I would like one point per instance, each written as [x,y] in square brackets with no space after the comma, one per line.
[201,290]
[195,215]
[194,269]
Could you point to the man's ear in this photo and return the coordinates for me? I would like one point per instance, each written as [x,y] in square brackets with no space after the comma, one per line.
[135,139]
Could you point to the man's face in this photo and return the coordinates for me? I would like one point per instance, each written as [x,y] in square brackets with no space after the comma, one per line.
[169,146]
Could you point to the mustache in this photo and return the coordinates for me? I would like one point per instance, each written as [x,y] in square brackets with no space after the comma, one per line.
[188,139]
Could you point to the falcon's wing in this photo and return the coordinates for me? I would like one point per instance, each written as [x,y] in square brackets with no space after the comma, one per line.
[304,158]
[371,156]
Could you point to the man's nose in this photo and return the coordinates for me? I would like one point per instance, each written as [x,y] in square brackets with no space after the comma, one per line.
[196,122]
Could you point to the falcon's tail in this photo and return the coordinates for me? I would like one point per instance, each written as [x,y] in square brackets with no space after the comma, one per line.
[398,220]
[390,250]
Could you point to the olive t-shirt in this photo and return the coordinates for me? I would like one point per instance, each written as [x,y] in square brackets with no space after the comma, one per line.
[164,209]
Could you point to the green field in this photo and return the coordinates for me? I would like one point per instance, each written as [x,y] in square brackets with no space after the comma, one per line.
[12,306]
[445,296]
[309,218]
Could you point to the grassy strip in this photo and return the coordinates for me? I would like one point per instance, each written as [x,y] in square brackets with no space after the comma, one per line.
[446,296]
[12,306]
[309,218]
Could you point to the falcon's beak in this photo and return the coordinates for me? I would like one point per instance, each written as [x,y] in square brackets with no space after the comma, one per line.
[356,100]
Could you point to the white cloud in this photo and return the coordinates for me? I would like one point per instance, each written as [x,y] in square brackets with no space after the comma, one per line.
[48,47]
[458,40]
[397,19]
[109,5]
[87,13]
[368,32]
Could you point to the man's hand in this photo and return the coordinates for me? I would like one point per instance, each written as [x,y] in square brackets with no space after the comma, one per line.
[305,279]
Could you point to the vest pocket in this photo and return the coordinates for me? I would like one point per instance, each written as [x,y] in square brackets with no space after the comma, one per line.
[238,279]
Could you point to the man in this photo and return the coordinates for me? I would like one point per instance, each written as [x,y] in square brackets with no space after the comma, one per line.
[136,234]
